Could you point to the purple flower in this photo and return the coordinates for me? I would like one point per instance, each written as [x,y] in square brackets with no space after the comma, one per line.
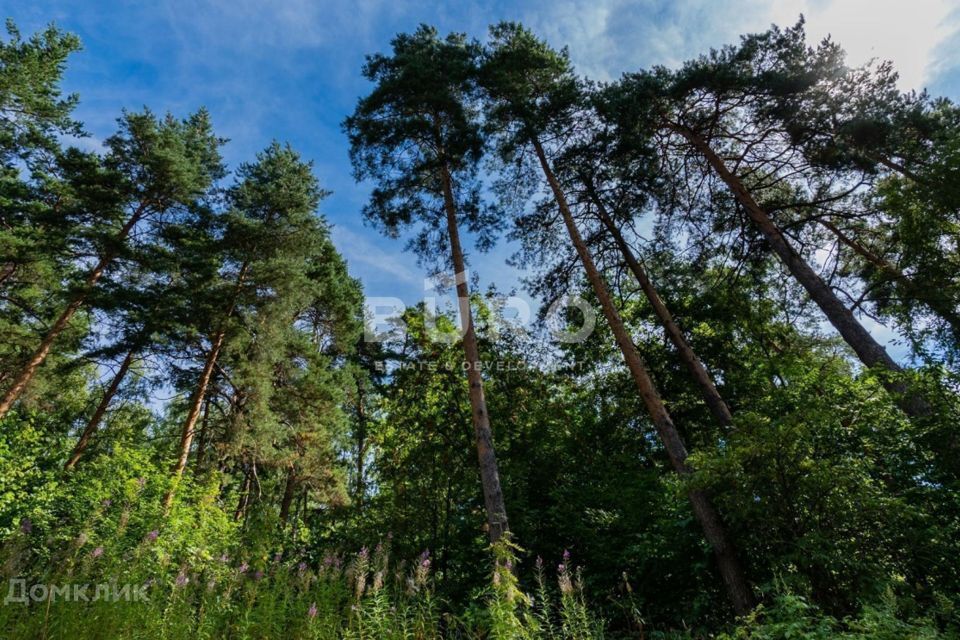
[425,559]
[258,575]
[26,526]
[312,611]
[96,553]
[302,567]
[364,553]
[153,535]
[566,556]
[182,579]
[278,556]
[561,568]
[224,558]
[243,567]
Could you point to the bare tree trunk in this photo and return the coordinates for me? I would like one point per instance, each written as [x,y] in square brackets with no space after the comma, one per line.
[186,434]
[870,352]
[244,496]
[26,373]
[731,571]
[97,416]
[938,305]
[708,390]
[289,492]
[489,473]
[361,444]
[202,442]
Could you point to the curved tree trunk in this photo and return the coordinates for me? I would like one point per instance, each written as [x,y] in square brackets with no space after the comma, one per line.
[870,352]
[708,390]
[731,571]
[101,410]
[489,472]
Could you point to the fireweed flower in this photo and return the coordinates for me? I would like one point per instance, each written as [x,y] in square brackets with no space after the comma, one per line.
[96,553]
[302,567]
[563,577]
[258,575]
[182,579]
[243,567]
[312,611]
[422,571]
[153,535]
[224,558]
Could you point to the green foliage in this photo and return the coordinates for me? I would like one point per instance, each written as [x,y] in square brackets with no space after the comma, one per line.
[310,443]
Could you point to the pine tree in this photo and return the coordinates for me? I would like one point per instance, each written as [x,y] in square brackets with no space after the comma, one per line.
[707,104]
[34,251]
[417,136]
[153,169]
[535,98]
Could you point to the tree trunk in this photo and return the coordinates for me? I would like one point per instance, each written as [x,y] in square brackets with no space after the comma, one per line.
[731,571]
[26,373]
[489,473]
[186,434]
[289,492]
[870,352]
[97,416]
[708,390]
[938,305]
[361,444]
[244,496]
[202,442]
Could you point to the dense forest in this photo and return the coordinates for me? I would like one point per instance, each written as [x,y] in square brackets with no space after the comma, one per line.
[203,436]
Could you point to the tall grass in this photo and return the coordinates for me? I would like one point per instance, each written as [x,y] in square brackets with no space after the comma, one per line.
[363,597]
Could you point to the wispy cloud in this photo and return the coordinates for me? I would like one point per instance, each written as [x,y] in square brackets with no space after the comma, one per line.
[376,259]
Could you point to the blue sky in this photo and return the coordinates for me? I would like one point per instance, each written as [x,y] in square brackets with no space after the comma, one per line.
[290,70]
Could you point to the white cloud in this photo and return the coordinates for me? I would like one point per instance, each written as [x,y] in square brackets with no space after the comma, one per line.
[608,37]
[906,33]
